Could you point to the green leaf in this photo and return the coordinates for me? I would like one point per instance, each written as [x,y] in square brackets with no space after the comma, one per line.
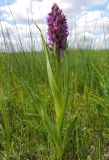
[55,91]
[65,93]
[54,88]
[56,96]
[51,128]
[69,131]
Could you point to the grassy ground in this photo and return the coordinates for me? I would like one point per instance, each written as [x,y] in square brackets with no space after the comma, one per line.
[22,133]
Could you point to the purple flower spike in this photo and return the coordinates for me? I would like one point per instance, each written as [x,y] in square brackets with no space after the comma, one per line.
[57,29]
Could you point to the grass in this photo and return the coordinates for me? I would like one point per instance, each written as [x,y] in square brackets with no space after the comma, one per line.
[22,132]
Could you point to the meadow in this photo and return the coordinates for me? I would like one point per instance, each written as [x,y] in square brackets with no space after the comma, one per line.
[23,77]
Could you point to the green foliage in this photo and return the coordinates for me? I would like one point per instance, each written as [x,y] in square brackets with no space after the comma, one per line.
[60,100]
[27,106]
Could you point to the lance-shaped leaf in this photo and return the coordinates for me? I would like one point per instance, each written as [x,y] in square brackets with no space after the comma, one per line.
[65,93]
[51,128]
[55,90]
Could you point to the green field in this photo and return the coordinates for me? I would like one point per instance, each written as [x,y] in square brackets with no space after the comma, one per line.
[23,136]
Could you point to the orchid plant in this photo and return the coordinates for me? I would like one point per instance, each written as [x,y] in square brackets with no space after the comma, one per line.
[57,37]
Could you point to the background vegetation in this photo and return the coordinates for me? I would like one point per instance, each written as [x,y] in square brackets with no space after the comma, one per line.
[22,133]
